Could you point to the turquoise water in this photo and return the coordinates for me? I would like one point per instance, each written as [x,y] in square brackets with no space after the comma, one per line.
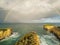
[23,28]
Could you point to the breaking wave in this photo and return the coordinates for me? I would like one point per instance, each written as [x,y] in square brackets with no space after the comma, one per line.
[49,40]
[14,36]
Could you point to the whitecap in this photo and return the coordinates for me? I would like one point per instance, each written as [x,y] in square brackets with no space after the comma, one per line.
[12,37]
[49,40]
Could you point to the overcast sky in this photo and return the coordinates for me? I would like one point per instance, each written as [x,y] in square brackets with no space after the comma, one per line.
[28,10]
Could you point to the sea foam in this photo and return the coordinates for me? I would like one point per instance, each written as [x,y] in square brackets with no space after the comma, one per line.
[12,37]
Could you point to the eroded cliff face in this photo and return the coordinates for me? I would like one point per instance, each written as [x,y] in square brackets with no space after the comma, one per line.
[30,38]
[5,33]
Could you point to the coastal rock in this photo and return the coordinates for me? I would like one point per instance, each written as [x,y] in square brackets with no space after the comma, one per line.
[53,29]
[5,33]
[1,35]
[30,38]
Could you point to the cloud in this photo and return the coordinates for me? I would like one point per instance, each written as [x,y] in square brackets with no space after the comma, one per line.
[55,19]
[26,10]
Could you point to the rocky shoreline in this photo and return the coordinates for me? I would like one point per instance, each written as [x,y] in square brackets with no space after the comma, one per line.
[53,29]
[5,33]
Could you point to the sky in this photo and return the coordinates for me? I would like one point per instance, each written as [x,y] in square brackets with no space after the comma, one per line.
[29,11]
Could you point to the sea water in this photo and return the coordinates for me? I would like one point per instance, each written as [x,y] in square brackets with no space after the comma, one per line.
[23,28]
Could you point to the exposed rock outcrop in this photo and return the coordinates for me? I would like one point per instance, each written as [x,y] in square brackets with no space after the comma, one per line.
[30,38]
[5,33]
[53,29]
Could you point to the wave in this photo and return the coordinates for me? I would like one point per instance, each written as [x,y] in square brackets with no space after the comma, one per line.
[49,40]
[45,39]
[12,37]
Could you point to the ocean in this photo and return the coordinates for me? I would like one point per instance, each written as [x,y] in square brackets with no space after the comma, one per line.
[23,28]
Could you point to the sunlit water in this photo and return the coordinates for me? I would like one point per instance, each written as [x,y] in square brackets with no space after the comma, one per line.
[19,29]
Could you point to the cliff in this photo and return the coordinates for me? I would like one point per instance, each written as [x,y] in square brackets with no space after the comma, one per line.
[5,33]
